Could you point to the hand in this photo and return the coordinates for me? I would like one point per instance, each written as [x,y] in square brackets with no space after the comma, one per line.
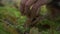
[25,6]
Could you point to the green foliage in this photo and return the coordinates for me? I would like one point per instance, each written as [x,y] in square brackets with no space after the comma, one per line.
[4,11]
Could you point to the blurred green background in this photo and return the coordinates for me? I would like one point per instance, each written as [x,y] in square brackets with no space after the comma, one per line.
[14,17]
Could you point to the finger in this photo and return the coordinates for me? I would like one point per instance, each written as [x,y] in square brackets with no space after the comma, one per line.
[28,5]
[40,3]
[30,2]
[22,5]
[36,7]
